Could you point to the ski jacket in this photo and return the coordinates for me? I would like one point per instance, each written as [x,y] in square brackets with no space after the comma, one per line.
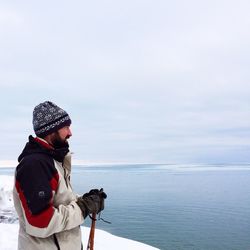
[49,217]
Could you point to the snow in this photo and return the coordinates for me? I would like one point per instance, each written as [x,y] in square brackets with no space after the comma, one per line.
[7,211]
[103,240]
[9,226]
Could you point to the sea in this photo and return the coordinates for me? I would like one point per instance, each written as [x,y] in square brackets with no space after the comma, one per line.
[172,207]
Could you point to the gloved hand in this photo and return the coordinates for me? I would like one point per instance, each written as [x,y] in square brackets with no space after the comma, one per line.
[92,202]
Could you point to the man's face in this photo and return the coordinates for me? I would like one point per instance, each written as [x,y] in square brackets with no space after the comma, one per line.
[59,138]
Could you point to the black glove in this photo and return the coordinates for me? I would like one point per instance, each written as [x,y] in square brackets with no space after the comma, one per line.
[97,192]
[92,202]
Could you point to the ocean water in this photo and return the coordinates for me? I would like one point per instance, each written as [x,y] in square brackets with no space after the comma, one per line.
[173,206]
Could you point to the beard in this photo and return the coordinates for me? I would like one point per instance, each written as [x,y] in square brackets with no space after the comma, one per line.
[59,142]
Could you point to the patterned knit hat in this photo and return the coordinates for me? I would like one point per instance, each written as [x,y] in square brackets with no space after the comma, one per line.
[48,118]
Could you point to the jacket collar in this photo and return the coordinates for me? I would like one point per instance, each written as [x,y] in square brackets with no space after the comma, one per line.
[43,143]
[58,154]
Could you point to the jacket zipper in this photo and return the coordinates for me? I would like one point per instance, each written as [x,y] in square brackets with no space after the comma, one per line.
[65,176]
[56,242]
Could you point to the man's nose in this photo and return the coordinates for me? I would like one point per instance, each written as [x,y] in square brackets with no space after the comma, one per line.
[69,132]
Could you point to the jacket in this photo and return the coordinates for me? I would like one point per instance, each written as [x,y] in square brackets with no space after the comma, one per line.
[49,217]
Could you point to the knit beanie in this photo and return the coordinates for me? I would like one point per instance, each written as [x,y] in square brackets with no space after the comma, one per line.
[48,118]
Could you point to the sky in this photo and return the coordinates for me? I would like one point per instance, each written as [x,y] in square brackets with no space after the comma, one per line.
[143,81]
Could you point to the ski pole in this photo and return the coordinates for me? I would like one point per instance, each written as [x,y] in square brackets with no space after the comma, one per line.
[92,233]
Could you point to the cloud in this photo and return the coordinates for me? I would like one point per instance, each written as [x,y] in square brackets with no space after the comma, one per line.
[142,80]
[10,19]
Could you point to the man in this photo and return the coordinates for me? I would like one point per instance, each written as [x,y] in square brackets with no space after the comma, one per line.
[50,214]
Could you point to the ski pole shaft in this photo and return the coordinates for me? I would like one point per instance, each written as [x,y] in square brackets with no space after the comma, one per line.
[92,233]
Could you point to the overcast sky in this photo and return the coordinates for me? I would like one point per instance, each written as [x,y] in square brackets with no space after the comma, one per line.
[143,81]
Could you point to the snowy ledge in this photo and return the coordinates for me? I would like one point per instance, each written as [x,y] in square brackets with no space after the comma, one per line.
[103,240]
[9,232]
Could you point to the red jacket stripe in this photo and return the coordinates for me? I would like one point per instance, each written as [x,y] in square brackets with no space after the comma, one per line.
[42,219]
